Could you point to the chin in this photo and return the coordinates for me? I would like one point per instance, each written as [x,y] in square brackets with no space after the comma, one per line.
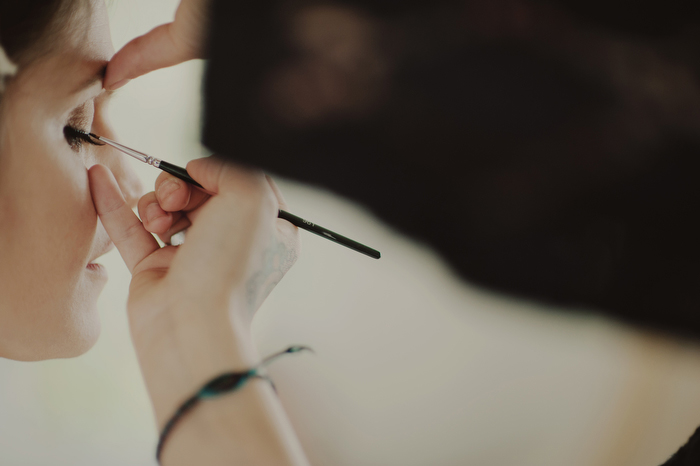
[80,328]
[53,314]
[79,320]
[71,344]
[81,339]
[64,328]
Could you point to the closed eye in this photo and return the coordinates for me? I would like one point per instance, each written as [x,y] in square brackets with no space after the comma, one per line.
[76,137]
[79,124]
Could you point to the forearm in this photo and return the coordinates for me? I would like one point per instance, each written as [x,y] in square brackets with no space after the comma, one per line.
[247,427]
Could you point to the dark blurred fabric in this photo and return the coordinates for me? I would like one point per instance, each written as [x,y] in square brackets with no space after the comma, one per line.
[689,454]
[545,149]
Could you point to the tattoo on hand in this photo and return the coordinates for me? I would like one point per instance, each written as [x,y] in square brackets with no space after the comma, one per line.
[276,261]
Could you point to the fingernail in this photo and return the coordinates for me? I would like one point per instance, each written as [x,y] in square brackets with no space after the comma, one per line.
[167,188]
[118,84]
[154,212]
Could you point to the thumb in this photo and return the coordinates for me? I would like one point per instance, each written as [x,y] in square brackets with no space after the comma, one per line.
[159,48]
[122,225]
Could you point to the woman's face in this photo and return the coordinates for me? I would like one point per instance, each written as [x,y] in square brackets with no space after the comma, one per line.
[50,236]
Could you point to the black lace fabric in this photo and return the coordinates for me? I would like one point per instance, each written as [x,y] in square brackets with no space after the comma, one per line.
[541,153]
[544,151]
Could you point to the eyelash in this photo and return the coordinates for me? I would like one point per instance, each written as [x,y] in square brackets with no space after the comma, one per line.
[76,138]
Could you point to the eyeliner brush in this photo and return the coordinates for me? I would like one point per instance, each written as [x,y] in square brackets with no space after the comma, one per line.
[181,173]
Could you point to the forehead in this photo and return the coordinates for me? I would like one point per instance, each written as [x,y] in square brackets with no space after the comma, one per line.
[86,31]
[79,47]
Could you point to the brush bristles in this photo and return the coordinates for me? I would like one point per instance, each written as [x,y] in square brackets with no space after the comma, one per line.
[85,133]
[91,137]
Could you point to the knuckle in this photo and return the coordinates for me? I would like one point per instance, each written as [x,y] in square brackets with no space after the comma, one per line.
[107,209]
[129,232]
[144,202]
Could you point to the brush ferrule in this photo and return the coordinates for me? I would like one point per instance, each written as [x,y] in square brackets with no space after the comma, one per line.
[152,161]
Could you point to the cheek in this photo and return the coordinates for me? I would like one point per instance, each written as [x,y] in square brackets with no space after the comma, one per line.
[55,218]
[46,239]
[46,185]
[64,211]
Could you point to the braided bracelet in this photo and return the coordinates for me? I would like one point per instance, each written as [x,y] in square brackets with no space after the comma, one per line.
[224,383]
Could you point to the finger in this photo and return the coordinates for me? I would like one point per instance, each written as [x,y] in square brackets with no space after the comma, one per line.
[154,219]
[174,195]
[183,223]
[233,224]
[179,219]
[159,48]
[122,225]
[217,175]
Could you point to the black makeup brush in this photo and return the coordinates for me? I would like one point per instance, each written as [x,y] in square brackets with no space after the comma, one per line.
[181,173]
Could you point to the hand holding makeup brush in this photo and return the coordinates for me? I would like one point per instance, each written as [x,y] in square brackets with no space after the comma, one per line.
[235,238]
[190,307]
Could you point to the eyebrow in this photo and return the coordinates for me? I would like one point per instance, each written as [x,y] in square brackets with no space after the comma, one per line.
[97,77]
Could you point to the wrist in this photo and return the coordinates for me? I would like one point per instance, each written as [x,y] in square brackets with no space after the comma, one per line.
[191,344]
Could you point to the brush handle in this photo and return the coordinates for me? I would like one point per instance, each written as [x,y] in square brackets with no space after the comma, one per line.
[328,234]
[181,173]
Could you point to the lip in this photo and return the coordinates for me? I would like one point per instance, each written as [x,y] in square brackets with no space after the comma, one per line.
[93,267]
[97,273]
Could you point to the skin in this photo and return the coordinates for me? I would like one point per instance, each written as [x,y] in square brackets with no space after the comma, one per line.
[190,307]
[49,229]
